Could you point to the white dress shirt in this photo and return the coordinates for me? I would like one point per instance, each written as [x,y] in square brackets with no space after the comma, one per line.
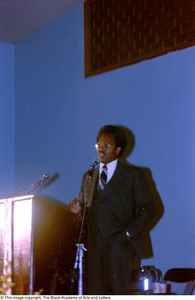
[111,168]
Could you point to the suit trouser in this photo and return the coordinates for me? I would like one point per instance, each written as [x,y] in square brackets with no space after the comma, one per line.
[109,265]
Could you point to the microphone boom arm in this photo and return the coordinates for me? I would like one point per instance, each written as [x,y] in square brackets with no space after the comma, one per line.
[39,182]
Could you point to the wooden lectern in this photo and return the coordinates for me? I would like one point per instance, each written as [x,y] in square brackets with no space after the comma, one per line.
[37,245]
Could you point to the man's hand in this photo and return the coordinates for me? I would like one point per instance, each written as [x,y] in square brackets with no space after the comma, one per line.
[75,206]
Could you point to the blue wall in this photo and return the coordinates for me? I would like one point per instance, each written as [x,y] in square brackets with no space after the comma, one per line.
[58,113]
[7,140]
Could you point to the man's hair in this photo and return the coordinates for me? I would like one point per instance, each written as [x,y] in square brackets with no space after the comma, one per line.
[118,136]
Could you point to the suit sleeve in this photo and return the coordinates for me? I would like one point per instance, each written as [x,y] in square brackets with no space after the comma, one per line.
[81,193]
[144,206]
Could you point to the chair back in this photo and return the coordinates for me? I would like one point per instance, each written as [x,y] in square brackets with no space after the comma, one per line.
[182,275]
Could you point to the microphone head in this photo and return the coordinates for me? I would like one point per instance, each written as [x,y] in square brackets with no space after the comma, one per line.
[94,164]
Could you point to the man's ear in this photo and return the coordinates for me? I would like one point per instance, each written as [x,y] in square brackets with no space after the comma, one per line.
[118,150]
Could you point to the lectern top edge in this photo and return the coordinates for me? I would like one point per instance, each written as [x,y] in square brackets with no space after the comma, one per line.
[27,197]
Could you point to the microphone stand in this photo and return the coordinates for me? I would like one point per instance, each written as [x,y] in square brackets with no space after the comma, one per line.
[80,246]
[38,183]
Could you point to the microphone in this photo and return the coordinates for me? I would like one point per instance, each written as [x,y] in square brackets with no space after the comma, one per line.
[41,180]
[93,165]
[46,176]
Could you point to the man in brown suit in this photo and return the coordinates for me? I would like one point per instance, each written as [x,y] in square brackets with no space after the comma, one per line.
[119,207]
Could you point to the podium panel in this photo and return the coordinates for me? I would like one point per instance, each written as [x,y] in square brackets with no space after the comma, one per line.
[37,245]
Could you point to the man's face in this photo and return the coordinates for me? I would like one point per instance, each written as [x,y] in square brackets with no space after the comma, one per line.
[106,149]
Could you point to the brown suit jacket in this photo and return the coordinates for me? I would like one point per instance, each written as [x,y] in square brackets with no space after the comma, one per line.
[131,201]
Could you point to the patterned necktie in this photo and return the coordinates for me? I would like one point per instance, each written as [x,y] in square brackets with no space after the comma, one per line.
[103,177]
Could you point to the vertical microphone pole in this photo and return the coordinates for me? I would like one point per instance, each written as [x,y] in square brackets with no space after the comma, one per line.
[80,254]
[80,246]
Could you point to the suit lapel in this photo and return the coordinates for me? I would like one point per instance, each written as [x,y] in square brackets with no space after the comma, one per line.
[92,186]
[117,176]
[114,182]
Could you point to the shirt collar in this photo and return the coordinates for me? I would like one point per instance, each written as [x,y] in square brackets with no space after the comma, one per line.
[111,166]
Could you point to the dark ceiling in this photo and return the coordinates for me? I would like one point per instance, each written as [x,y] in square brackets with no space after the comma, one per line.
[19,18]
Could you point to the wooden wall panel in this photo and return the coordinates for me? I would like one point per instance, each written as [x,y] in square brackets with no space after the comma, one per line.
[120,33]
